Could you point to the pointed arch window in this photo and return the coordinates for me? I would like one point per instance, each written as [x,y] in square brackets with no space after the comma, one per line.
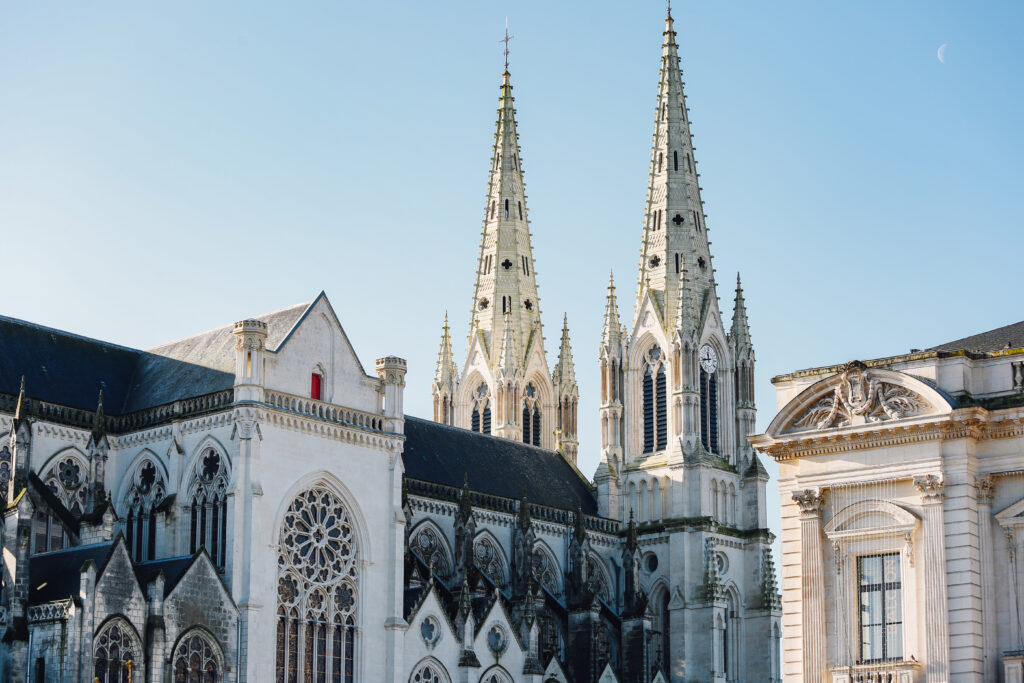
[207,507]
[144,497]
[531,416]
[197,659]
[709,411]
[116,653]
[655,402]
[67,481]
[317,591]
[480,417]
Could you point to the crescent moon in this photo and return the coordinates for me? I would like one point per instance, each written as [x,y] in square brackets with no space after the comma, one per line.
[942,53]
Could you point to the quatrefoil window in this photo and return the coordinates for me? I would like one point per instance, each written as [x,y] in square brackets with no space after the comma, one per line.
[147,475]
[701,262]
[506,264]
[528,305]
[655,261]
[484,303]
[211,465]
[677,219]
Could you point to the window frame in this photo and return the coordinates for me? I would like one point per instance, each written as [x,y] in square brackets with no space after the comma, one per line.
[884,587]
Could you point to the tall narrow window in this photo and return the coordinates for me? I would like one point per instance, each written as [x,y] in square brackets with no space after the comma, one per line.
[475,420]
[487,420]
[526,423]
[519,205]
[675,160]
[315,382]
[655,402]
[492,208]
[480,419]
[880,599]
[506,208]
[709,411]
[207,506]
[677,263]
[145,493]
[689,163]
[531,416]
[661,158]
[536,426]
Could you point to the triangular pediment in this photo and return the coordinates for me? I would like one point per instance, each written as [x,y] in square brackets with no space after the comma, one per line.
[1012,515]
[856,397]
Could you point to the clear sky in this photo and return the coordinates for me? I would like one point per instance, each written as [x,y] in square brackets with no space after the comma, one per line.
[166,168]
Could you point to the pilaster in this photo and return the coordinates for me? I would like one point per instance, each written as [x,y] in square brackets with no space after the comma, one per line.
[812,596]
[936,609]
[985,487]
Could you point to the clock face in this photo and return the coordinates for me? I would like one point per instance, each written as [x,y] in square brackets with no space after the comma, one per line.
[708,359]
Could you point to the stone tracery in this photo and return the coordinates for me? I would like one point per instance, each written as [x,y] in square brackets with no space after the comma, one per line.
[317,590]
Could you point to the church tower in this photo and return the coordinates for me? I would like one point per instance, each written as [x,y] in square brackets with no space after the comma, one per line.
[677,404]
[505,387]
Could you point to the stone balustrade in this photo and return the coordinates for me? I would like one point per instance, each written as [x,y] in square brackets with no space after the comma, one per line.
[322,410]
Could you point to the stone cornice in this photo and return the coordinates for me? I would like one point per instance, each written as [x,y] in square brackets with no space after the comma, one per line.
[974,423]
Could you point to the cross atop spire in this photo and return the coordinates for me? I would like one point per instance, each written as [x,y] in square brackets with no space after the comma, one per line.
[669,3]
[505,40]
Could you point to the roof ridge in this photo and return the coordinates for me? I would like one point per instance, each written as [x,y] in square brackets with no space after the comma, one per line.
[502,439]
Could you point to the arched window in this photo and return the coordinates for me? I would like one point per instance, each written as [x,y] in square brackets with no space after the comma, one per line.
[429,671]
[496,676]
[428,543]
[531,416]
[67,481]
[317,590]
[658,652]
[546,570]
[197,659]
[5,469]
[655,400]
[490,559]
[145,494]
[730,638]
[709,411]
[206,509]
[598,579]
[480,418]
[116,654]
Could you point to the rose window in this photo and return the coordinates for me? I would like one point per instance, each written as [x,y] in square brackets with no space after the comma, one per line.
[318,538]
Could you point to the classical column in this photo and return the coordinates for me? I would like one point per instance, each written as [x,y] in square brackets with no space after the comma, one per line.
[812,593]
[989,642]
[1016,627]
[936,610]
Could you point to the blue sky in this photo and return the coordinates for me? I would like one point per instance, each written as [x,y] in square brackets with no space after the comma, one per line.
[169,169]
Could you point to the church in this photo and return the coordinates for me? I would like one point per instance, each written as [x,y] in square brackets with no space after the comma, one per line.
[253,504]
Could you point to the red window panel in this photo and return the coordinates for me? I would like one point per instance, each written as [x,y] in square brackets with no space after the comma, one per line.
[314,389]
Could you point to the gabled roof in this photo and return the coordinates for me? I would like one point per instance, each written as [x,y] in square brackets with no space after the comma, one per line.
[1006,337]
[68,369]
[173,568]
[447,455]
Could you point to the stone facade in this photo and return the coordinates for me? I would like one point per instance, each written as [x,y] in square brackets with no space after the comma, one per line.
[915,461]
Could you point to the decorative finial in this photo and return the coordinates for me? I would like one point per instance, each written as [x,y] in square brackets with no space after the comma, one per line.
[505,40]
[669,3]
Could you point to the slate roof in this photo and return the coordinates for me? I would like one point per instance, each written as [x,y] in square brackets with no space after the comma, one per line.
[55,575]
[1009,336]
[172,567]
[443,455]
[68,369]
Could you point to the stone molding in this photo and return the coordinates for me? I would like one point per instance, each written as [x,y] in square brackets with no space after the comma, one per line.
[811,503]
[930,488]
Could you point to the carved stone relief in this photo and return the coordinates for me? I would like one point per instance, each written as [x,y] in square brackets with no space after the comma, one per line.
[860,398]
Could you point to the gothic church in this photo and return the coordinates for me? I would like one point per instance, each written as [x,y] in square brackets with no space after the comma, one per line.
[250,504]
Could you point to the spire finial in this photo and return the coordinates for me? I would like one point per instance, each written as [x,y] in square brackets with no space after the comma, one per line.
[669,3]
[505,40]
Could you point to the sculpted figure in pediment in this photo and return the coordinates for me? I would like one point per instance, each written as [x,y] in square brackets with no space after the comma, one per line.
[861,398]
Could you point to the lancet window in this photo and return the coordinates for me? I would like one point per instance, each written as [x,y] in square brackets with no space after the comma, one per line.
[531,416]
[658,653]
[597,579]
[428,544]
[655,402]
[206,512]
[480,418]
[140,527]
[5,470]
[545,570]
[116,654]
[430,671]
[197,659]
[67,481]
[317,591]
[709,411]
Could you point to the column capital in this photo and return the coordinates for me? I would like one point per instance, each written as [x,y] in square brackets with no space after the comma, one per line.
[930,487]
[811,502]
[985,485]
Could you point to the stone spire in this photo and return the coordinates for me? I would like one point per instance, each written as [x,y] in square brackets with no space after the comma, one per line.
[505,279]
[740,332]
[611,335]
[99,421]
[674,226]
[564,375]
[446,378]
[567,395]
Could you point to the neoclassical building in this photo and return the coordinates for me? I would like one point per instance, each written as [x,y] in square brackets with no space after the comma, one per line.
[902,483]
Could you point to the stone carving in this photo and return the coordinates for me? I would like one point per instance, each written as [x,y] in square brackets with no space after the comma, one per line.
[861,398]
[930,487]
[811,501]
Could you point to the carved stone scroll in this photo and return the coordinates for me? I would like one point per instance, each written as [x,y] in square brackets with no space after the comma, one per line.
[861,398]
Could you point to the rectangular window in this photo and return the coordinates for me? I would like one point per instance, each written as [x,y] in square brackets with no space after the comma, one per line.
[314,386]
[880,599]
